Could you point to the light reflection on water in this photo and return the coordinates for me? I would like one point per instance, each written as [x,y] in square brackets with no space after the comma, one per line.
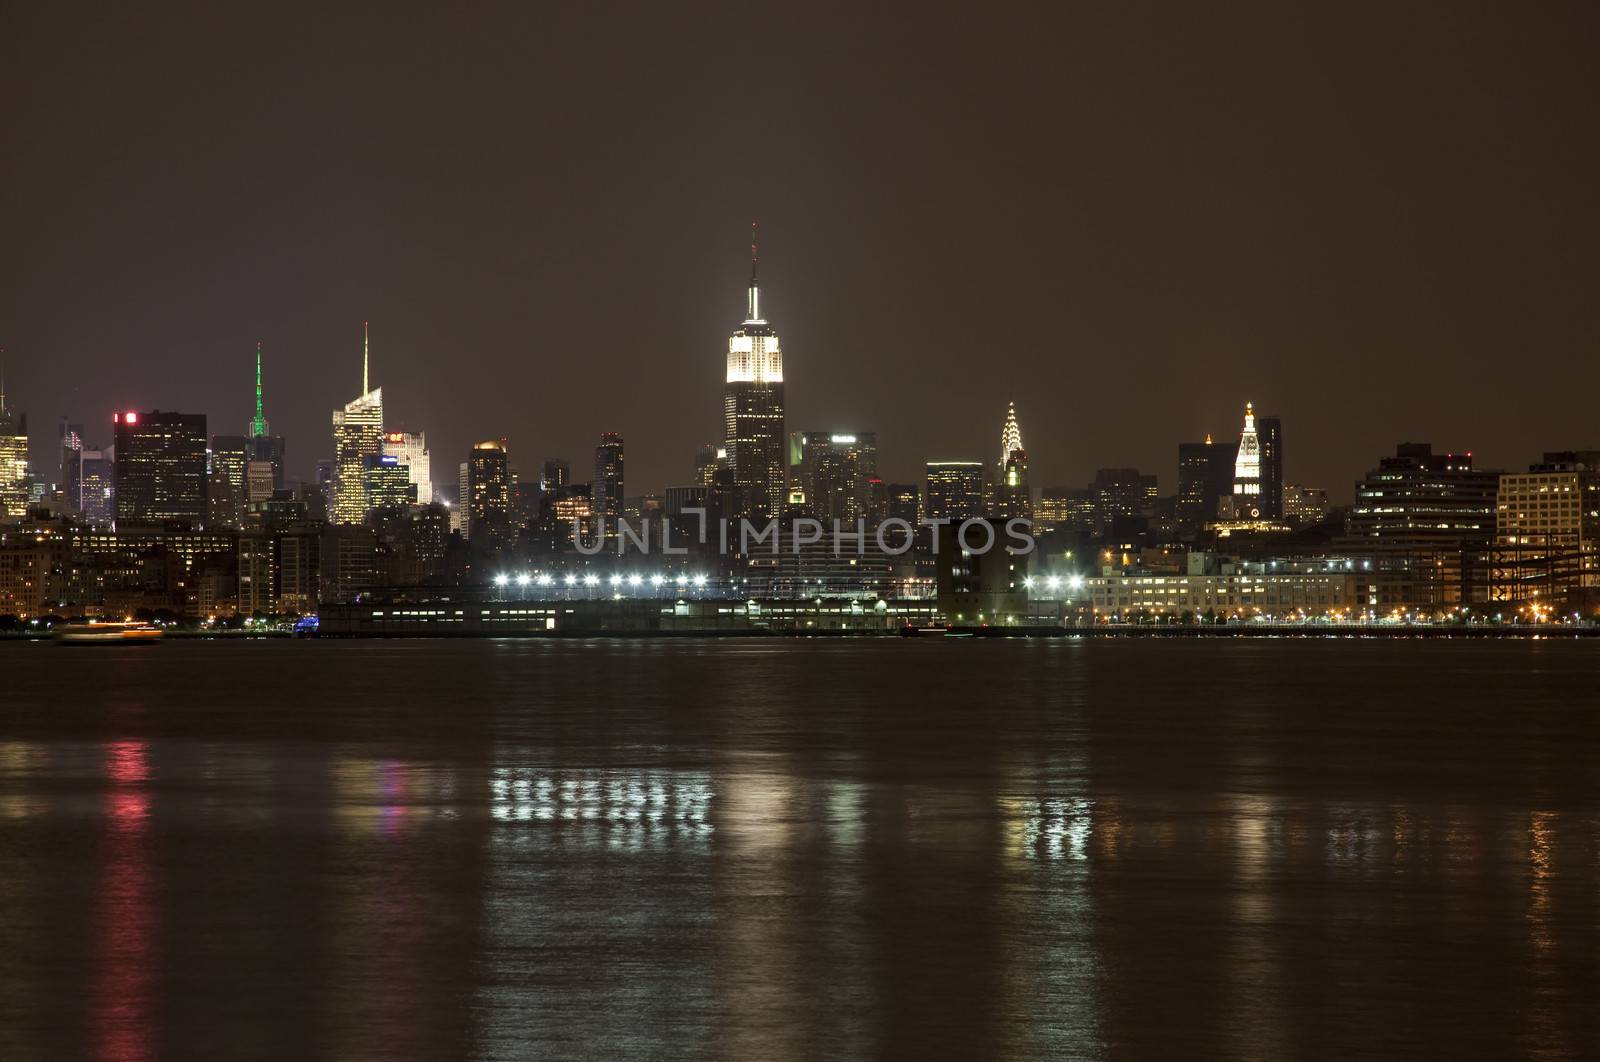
[717,877]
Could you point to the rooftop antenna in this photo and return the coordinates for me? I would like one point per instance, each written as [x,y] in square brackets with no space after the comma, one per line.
[365,351]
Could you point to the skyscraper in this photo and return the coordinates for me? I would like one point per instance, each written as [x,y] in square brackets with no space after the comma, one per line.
[836,470]
[1205,477]
[160,467]
[606,493]
[357,435]
[1246,503]
[13,459]
[753,409]
[488,500]
[1010,496]
[411,447]
[263,445]
[955,490]
[1269,432]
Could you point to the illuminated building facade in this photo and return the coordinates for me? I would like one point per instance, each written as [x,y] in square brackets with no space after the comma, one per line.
[1247,469]
[411,448]
[1427,519]
[753,411]
[160,467]
[1009,495]
[836,471]
[1304,506]
[357,435]
[388,483]
[488,497]
[955,490]
[13,460]
[1547,537]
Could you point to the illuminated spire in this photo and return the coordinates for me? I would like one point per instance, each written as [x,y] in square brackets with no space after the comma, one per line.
[1247,465]
[258,425]
[754,306]
[1010,435]
[365,350]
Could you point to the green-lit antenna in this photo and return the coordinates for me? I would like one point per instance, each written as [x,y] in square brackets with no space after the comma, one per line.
[258,425]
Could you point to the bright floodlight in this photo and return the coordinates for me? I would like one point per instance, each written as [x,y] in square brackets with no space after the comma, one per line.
[1076,582]
[502,579]
[635,579]
[572,580]
[616,580]
[524,579]
[656,579]
[591,580]
[1054,582]
[699,581]
[683,580]
[1027,582]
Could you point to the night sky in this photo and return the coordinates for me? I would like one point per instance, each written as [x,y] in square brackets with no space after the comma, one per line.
[1379,222]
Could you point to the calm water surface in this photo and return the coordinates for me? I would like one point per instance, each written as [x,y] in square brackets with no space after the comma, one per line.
[800,849]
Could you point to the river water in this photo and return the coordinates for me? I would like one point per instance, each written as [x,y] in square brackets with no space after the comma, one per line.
[790,849]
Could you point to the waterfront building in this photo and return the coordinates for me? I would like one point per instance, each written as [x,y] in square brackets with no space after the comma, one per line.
[357,435]
[348,560]
[160,467]
[753,410]
[1280,591]
[1428,519]
[1547,537]
[976,586]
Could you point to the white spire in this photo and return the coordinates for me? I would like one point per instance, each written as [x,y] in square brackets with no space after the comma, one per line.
[1010,435]
[1247,466]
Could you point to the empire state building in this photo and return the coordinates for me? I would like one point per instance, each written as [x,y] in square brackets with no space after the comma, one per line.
[753,406]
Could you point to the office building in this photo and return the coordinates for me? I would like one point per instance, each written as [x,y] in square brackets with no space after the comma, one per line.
[1547,537]
[955,490]
[1009,495]
[160,468]
[357,435]
[753,411]
[14,478]
[1304,506]
[411,449]
[1269,438]
[1427,519]
[835,470]
[388,483]
[488,494]
[606,489]
[1205,477]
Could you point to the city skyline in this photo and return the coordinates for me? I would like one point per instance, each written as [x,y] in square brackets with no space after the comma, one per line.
[1208,221]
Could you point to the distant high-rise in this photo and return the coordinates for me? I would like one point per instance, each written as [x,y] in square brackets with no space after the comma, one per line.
[1010,496]
[955,490]
[753,410]
[13,459]
[160,467]
[411,447]
[263,445]
[1269,433]
[357,435]
[388,483]
[836,471]
[488,500]
[1205,477]
[95,485]
[606,492]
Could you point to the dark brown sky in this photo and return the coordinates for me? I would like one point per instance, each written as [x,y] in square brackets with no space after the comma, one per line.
[1379,221]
